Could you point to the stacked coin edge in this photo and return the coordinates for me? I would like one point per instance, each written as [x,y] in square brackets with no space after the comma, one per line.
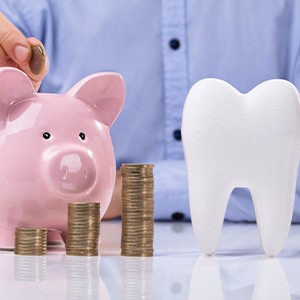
[137,210]
[83,228]
[30,241]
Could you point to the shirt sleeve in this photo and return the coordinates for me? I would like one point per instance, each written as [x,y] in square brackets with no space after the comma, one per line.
[171,200]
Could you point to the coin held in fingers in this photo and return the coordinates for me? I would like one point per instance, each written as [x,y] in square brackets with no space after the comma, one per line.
[37,61]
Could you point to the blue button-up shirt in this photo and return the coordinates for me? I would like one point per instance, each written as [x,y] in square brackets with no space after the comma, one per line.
[242,42]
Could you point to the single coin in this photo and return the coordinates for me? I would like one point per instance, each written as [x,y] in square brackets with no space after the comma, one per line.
[38,58]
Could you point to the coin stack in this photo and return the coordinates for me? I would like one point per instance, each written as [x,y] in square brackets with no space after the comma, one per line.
[137,210]
[83,229]
[30,241]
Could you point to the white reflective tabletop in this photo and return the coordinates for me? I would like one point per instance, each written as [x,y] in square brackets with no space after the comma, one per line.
[178,270]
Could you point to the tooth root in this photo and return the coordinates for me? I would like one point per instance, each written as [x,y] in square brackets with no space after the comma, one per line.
[273,199]
[208,206]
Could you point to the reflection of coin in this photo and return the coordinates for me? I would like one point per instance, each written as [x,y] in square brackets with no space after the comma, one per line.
[30,268]
[83,229]
[30,241]
[137,210]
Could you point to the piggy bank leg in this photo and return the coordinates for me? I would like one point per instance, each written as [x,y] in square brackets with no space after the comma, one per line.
[54,236]
[64,236]
[7,238]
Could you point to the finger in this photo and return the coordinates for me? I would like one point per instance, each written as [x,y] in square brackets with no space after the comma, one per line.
[3,57]
[13,42]
[5,61]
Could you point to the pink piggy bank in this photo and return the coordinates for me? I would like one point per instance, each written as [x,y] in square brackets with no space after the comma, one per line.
[54,149]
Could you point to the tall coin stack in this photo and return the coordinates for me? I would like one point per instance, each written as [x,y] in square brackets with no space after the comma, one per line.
[83,229]
[30,241]
[137,210]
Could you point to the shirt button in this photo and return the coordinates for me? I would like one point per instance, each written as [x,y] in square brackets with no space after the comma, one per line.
[174,44]
[177,134]
[177,216]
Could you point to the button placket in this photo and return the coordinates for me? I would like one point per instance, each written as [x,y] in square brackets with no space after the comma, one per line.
[175,72]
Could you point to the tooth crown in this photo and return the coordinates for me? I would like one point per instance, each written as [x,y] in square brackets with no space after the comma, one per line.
[242,140]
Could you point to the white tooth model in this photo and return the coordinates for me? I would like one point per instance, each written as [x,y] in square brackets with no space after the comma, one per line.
[249,140]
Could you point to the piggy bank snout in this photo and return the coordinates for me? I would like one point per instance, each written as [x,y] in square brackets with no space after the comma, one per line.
[72,171]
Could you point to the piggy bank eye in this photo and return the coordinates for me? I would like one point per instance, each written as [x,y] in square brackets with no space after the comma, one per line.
[82,135]
[46,135]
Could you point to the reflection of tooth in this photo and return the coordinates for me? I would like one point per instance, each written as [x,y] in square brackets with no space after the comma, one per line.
[271,282]
[206,282]
[241,140]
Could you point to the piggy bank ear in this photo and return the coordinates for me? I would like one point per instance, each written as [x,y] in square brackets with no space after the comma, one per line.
[15,86]
[104,92]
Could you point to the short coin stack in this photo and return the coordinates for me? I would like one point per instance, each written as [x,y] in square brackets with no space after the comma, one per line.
[83,229]
[30,241]
[137,210]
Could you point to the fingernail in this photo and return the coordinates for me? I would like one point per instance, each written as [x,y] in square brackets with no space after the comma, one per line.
[21,53]
[37,61]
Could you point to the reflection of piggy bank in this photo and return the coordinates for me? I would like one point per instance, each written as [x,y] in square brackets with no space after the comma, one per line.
[54,149]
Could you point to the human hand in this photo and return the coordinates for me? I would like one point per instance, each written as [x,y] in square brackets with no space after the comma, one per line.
[26,54]
[115,206]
